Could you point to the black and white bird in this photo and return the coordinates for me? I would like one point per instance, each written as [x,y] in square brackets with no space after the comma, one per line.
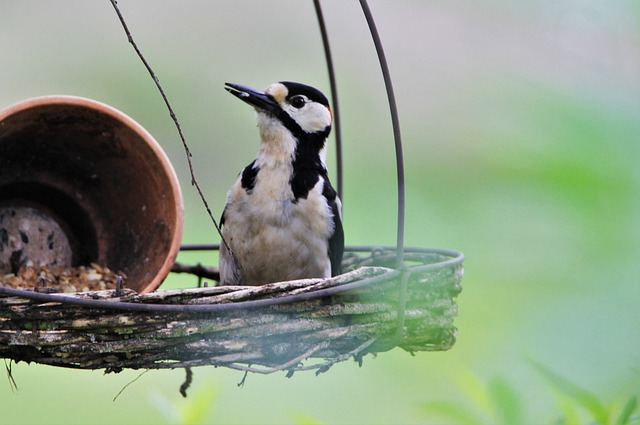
[282,220]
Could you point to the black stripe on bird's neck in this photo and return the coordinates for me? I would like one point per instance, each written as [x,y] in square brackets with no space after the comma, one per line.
[297,131]
[307,164]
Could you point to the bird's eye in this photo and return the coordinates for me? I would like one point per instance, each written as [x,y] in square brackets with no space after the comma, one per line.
[297,102]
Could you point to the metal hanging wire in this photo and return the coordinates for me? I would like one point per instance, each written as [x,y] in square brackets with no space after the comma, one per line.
[393,110]
[395,121]
[337,127]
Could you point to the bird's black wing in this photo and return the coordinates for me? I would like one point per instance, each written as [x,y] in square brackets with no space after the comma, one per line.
[222,217]
[336,241]
[249,175]
[247,180]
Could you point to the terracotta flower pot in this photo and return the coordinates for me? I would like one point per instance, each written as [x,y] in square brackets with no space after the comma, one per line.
[92,185]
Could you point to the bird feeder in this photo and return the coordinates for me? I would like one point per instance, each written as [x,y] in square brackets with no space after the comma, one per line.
[387,296]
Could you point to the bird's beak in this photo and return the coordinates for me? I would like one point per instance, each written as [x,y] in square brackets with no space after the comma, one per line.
[256,98]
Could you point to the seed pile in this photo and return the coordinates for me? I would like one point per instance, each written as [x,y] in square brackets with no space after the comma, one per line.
[63,279]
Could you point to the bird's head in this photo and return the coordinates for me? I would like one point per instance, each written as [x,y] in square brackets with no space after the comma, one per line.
[301,109]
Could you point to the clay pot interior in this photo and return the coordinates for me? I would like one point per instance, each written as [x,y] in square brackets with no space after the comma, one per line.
[92,185]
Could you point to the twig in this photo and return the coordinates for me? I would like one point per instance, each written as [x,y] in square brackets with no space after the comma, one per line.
[12,382]
[198,270]
[355,353]
[283,366]
[187,151]
[187,382]
[119,287]
[129,383]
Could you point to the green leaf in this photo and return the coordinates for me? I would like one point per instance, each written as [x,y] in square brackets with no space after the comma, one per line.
[193,410]
[568,407]
[197,407]
[579,394]
[627,410]
[300,418]
[456,412]
[507,403]
[473,387]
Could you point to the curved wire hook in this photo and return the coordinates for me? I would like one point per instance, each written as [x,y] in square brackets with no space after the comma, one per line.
[334,95]
[396,129]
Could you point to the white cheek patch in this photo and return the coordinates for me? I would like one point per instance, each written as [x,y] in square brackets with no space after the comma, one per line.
[312,118]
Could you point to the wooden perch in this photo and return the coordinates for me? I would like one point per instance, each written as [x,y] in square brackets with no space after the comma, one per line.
[259,329]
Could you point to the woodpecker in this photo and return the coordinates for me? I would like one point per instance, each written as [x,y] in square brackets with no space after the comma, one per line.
[283,219]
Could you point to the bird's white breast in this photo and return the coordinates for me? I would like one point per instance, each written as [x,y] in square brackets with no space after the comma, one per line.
[274,237]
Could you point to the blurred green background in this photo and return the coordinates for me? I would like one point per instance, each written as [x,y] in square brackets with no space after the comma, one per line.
[521,123]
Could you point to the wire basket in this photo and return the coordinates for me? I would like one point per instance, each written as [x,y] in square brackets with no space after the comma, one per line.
[368,309]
